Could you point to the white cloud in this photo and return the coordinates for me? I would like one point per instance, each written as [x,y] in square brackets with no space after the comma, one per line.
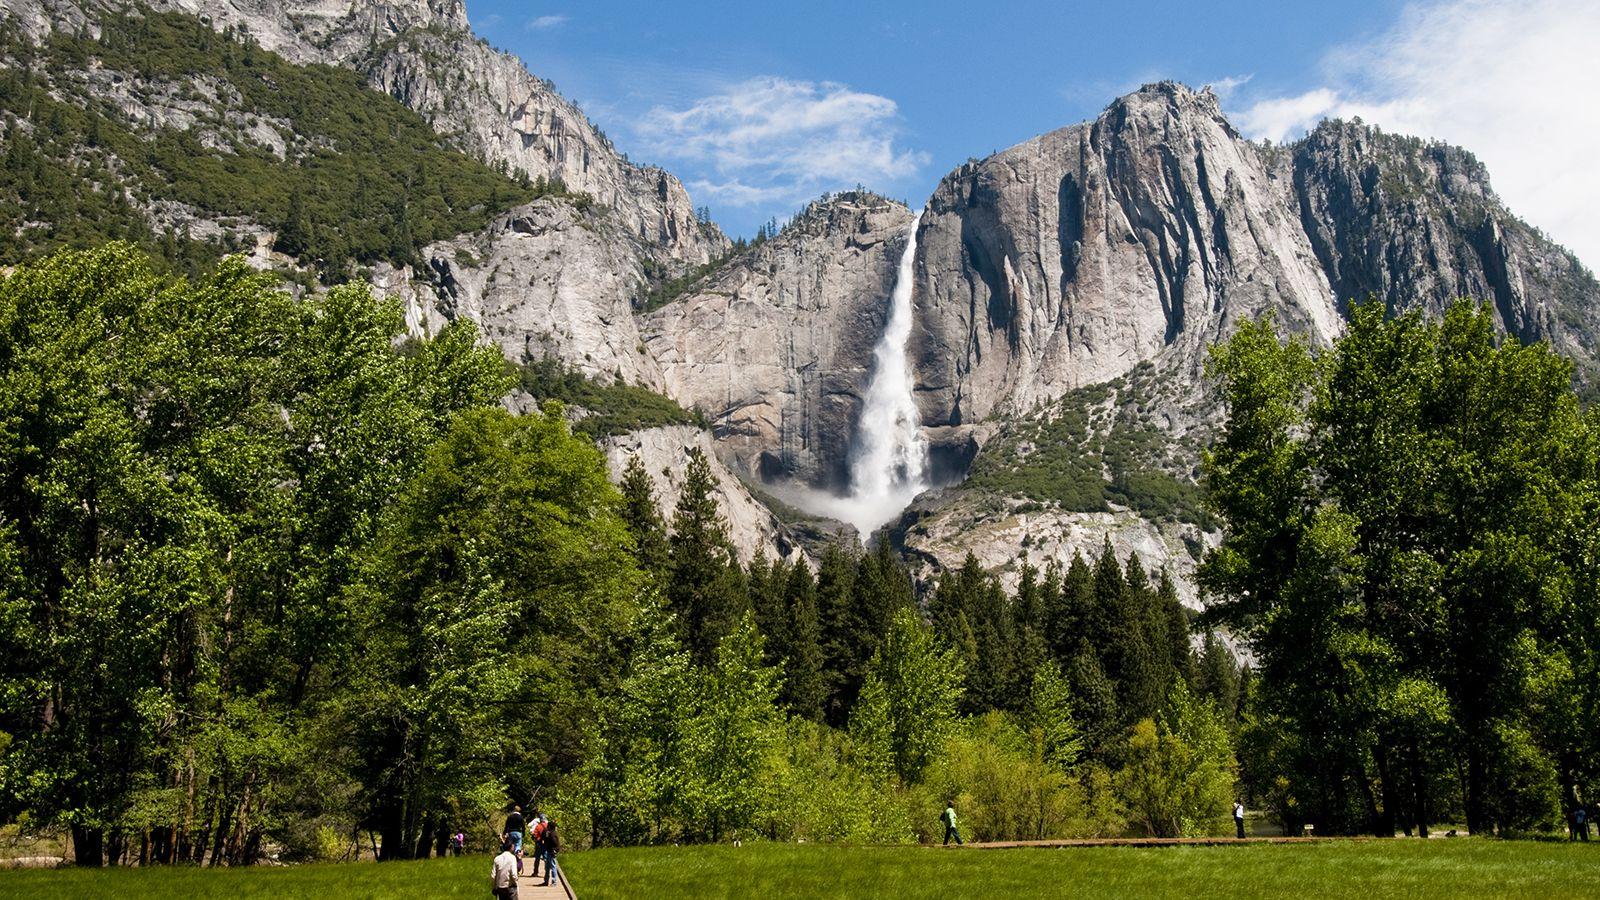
[772,139]
[1513,81]
[543,23]
[1225,87]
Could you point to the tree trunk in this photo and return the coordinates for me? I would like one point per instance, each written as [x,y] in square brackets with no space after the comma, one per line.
[1477,807]
[1383,821]
[424,839]
[88,847]
[1419,790]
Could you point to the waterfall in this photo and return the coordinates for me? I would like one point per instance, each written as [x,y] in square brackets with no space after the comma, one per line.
[889,456]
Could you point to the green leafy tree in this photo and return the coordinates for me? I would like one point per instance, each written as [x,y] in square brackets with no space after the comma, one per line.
[907,709]
[1179,777]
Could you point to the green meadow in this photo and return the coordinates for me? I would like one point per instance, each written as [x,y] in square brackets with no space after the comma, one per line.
[1368,870]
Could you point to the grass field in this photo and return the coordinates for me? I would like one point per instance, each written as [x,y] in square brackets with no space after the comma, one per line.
[1367,870]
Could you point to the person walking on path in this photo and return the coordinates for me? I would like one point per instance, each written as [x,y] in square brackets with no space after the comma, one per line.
[551,841]
[537,835]
[1238,819]
[503,876]
[1582,817]
[949,820]
[514,830]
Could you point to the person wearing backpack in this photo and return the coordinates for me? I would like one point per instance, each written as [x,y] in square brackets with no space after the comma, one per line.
[515,827]
[537,834]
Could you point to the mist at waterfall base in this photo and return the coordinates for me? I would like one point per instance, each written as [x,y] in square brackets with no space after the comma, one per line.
[888,454]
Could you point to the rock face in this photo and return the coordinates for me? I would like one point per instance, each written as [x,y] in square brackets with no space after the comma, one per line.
[1068,259]
[544,279]
[776,346]
[1417,225]
[663,451]
[941,528]
[1146,235]
[489,103]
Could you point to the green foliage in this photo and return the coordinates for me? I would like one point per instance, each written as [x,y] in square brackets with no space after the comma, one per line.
[362,178]
[706,590]
[611,408]
[1005,786]
[907,707]
[193,472]
[1178,781]
[1408,518]
[643,517]
[684,752]
[1091,448]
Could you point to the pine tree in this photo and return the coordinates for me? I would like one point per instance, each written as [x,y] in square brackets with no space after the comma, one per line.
[1105,621]
[706,589]
[1217,677]
[643,517]
[1071,614]
[294,234]
[881,588]
[768,584]
[804,691]
[972,599]
[836,577]
[1033,647]
[1146,666]
[1094,703]
[1175,630]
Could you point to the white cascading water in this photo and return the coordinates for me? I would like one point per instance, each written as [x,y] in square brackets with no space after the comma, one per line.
[889,459]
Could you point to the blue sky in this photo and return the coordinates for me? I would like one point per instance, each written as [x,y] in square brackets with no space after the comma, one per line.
[760,107]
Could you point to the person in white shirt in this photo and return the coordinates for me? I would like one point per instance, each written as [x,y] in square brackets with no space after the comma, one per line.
[503,877]
[1238,818]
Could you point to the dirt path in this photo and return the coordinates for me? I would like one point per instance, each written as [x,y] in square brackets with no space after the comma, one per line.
[1157,842]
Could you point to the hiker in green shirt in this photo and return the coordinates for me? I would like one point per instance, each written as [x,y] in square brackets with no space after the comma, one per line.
[949,820]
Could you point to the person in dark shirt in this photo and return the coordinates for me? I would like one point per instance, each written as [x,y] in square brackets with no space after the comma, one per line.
[550,845]
[514,829]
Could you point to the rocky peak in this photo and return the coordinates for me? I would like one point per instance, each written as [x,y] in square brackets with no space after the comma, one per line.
[1070,258]
[1417,224]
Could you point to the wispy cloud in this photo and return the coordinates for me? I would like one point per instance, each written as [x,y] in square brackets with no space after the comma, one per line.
[1513,81]
[1226,87]
[769,140]
[544,23]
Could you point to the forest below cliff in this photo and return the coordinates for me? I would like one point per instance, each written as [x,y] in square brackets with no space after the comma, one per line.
[272,581]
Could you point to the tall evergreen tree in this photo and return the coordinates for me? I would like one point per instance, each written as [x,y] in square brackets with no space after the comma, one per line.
[1032,639]
[642,515]
[804,688]
[836,576]
[706,590]
[972,614]
[768,585]
[1146,663]
[1071,618]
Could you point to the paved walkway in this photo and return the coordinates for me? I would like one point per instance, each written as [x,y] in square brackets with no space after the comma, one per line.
[531,888]
[1159,842]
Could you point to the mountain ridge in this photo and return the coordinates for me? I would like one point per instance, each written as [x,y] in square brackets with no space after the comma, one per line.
[1109,253]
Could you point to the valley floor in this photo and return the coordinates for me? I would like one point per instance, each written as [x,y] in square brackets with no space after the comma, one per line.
[1369,870]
